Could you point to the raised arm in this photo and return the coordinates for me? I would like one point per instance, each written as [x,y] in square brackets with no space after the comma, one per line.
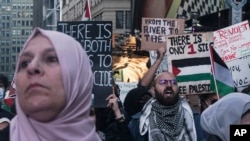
[149,75]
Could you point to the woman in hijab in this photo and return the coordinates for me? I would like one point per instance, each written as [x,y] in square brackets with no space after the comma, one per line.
[54,84]
[231,109]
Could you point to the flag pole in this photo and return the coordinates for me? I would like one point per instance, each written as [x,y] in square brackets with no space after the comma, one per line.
[89,6]
[213,71]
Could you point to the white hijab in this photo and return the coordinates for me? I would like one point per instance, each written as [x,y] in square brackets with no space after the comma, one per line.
[217,118]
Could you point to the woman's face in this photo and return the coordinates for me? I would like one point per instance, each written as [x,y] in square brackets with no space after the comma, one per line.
[39,81]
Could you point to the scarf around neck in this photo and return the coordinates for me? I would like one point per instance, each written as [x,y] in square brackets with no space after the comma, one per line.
[169,118]
[166,122]
[158,131]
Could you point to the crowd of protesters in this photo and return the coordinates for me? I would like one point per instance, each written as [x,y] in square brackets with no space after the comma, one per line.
[54,101]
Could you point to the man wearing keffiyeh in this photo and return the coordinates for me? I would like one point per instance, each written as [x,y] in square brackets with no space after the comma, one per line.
[167,116]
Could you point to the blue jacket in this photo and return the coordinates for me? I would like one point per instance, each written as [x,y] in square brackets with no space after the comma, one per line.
[134,127]
[201,134]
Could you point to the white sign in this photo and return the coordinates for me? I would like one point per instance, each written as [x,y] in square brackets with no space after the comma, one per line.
[164,63]
[240,69]
[232,42]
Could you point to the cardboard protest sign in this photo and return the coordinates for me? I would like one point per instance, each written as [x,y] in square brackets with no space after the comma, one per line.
[154,31]
[189,60]
[232,42]
[96,39]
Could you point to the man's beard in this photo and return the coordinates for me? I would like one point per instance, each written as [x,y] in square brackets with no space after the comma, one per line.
[168,97]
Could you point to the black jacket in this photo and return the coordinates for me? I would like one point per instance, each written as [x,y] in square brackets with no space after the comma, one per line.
[112,129]
[5,133]
[118,131]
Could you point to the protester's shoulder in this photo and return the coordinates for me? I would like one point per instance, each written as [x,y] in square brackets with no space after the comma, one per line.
[184,103]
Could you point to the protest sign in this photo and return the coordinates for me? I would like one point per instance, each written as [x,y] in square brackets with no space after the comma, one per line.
[154,31]
[96,38]
[240,69]
[232,42]
[189,60]
[164,63]
[233,45]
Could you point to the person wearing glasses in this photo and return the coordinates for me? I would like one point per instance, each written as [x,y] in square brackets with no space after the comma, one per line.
[167,116]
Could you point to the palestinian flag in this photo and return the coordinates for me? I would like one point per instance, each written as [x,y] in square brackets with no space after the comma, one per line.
[192,69]
[223,83]
[86,12]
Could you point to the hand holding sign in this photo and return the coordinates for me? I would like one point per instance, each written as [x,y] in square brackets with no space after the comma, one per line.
[113,103]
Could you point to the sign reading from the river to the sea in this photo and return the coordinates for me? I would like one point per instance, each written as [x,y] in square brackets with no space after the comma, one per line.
[154,31]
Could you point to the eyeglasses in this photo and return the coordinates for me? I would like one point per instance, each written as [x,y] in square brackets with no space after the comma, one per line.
[165,81]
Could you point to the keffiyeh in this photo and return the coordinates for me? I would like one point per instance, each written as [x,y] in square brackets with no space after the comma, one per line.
[170,123]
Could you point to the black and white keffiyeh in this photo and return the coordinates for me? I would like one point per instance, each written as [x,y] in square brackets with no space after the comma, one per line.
[168,123]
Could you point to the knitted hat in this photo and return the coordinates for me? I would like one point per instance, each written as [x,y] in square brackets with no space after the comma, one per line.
[134,100]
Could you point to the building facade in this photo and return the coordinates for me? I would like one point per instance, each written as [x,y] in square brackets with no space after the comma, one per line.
[46,13]
[5,37]
[119,12]
[16,25]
